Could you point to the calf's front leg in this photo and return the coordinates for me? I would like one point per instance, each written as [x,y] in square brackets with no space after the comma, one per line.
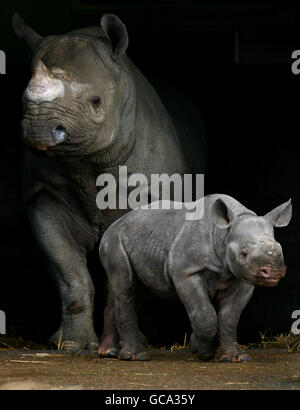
[231,305]
[193,294]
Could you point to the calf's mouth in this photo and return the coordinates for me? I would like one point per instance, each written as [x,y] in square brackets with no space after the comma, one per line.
[269,275]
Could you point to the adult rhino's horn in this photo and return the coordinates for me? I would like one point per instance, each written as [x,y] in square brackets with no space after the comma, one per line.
[43,87]
[23,31]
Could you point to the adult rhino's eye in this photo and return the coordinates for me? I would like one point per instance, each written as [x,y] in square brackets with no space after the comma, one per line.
[96,101]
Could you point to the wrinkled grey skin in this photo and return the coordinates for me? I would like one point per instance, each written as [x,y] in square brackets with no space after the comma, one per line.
[212,265]
[107,115]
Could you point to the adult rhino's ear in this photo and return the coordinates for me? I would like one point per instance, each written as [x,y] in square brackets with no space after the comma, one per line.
[23,31]
[116,32]
[221,214]
[281,215]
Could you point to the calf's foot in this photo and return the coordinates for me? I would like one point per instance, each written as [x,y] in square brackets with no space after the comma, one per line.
[233,354]
[129,352]
[206,353]
[108,348]
[205,349]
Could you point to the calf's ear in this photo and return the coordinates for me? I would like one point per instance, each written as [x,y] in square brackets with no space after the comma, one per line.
[116,32]
[221,214]
[281,215]
[23,31]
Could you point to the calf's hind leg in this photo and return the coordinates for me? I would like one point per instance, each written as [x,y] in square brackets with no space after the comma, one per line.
[110,340]
[121,280]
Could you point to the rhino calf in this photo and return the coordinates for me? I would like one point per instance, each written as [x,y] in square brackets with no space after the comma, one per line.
[211,265]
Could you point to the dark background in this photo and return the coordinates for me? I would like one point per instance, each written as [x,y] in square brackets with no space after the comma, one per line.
[234,60]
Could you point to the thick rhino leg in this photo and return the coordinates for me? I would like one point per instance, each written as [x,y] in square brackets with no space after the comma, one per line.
[231,306]
[63,244]
[120,305]
[109,345]
[201,312]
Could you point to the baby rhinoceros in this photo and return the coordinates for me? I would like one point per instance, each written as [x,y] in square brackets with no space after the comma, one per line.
[211,264]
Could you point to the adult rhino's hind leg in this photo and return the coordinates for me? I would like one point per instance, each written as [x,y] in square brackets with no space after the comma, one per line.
[121,280]
[62,242]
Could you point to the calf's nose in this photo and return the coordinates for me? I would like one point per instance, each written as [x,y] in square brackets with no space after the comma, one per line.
[265,272]
[269,272]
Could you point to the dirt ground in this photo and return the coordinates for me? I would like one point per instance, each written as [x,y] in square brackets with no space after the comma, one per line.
[177,370]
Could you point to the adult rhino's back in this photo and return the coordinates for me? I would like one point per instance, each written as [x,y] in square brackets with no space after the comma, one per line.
[188,123]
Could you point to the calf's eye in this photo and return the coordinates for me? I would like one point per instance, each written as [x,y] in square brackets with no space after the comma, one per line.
[244,254]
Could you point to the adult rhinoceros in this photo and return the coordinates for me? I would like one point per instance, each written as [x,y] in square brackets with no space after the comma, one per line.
[87,111]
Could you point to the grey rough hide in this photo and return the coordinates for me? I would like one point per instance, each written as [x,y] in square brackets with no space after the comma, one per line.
[88,110]
[211,265]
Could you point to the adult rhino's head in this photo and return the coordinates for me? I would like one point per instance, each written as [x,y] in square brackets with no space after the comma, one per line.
[252,253]
[79,88]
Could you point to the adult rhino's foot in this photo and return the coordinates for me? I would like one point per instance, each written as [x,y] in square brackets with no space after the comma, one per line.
[232,354]
[127,353]
[74,343]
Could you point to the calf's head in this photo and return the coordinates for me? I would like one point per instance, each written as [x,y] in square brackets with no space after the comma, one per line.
[74,101]
[252,253]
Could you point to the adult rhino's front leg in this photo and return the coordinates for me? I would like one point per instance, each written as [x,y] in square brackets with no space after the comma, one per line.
[63,238]
[231,306]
